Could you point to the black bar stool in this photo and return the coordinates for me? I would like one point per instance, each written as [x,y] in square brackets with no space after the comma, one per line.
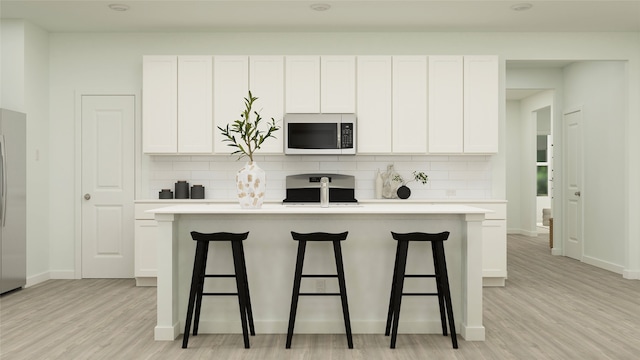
[199,274]
[441,277]
[337,250]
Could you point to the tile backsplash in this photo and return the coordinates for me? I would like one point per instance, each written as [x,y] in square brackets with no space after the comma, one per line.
[450,177]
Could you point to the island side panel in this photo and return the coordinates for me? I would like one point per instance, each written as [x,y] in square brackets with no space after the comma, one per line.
[167,327]
[472,327]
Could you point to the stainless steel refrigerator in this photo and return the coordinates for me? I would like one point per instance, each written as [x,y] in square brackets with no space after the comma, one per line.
[13,204]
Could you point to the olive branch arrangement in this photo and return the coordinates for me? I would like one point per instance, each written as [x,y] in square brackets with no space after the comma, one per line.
[248,131]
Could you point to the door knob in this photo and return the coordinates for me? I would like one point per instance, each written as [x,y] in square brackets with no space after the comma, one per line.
[577,193]
[87,196]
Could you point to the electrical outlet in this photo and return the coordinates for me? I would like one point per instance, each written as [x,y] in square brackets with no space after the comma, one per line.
[451,192]
[321,286]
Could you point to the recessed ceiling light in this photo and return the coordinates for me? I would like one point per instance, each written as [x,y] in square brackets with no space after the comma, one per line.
[118,7]
[320,7]
[521,7]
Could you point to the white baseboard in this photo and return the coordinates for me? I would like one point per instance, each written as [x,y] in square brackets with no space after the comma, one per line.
[631,274]
[63,274]
[146,281]
[493,281]
[603,264]
[37,279]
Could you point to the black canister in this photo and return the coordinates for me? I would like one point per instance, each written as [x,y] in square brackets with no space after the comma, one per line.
[182,189]
[165,194]
[197,192]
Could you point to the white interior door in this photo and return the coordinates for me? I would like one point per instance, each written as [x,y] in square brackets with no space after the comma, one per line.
[573,185]
[108,186]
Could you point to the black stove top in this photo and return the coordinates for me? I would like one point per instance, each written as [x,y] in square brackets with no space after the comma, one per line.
[305,188]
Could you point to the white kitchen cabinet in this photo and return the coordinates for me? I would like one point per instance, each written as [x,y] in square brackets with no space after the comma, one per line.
[266,81]
[160,104]
[176,105]
[302,87]
[463,104]
[494,252]
[338,84]
[145,263]
[494,244]
[230,87]
[317,84]
[195,99]
[409,104]
[481,83]
[374,104]
[446,119]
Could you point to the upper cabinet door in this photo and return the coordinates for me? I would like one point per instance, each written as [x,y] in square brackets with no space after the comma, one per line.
[195,119]
[410,104]
[481,104]
[374,104]
[445,104]
[230,88]
[302,84]
[338,84]
[159,104]
[266,82]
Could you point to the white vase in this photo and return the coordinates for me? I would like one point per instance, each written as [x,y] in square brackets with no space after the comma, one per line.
[251,186]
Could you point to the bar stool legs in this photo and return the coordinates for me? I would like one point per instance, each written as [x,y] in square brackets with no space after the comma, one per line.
[199,274]
[337,249]
[302,245]
[442,283]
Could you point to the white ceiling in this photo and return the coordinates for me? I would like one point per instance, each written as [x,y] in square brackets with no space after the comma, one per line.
[344,15]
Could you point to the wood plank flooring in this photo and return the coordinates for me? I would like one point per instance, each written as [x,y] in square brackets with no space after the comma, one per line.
[552,308]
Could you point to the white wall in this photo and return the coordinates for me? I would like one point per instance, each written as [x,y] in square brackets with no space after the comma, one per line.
[12,67]
[595,87]
[112,63]
[36,80]
[513,150]
[25,88]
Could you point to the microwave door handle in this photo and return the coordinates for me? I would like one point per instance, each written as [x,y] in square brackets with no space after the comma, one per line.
[339,132]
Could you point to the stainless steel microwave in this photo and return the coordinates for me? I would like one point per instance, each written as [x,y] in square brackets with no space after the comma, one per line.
[320,134]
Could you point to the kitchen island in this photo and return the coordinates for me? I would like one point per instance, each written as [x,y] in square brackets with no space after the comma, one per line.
[369,253]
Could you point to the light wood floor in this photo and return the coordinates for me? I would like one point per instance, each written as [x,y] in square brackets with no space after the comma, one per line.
[552,308]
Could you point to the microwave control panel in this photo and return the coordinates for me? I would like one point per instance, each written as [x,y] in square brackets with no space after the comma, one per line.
[346,136]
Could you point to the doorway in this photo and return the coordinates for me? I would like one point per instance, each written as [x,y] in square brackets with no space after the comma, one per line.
[529,158]
[108,182]
[544,169]
[573,184]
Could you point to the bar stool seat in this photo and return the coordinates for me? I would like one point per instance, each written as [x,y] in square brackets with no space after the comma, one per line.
[199,275]
[440,274]
[337,250]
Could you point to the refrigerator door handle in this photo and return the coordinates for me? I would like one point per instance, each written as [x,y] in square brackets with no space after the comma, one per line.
[3,178]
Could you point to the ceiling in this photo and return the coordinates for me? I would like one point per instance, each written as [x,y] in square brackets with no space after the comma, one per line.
[343,15]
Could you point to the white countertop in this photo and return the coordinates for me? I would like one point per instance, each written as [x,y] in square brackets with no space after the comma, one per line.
[361,201]
[366,208]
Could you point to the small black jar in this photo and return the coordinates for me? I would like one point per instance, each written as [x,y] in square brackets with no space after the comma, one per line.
[182,189]
[197,192]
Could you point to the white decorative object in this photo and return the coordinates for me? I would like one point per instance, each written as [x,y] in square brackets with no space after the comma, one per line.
[251,134]
[379,185]
[389,183]
[251,186]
